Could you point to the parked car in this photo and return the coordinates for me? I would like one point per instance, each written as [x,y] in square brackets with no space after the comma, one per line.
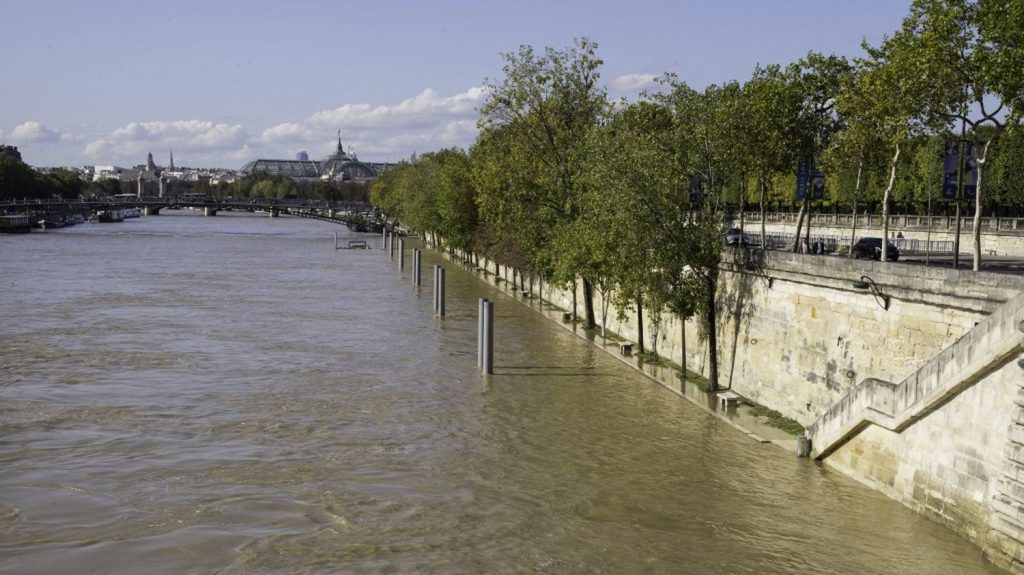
[734,237]
[872,248]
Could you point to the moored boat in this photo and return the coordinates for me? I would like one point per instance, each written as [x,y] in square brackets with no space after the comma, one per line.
[108,216]
[17,224]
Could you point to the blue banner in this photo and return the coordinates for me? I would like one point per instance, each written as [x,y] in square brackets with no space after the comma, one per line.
[803,175]
[950,168]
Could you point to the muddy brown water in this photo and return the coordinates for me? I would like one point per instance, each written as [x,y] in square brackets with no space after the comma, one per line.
[181,394]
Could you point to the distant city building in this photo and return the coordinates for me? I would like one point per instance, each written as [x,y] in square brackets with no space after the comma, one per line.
[337,167]
[110,173]
[171,166]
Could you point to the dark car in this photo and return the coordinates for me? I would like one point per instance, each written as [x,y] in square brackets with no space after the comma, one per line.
[872,248]
[734,237]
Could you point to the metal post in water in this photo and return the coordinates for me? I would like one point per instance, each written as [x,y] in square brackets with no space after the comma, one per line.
[436,267]
[440,291]
[416,267]
[384,237]
[391,244]
[480,333]
[401,253]
[335,240]
[488,343]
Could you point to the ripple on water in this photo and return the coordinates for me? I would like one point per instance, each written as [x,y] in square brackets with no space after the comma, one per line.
[232,395]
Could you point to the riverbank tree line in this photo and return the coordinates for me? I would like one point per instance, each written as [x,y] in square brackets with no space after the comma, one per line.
[628,198]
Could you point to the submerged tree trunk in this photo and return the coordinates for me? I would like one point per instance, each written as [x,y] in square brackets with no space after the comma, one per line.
[682,340]
[604,311]
[574,285]
[588,305]
[885,204]
[640,324]
[712,280]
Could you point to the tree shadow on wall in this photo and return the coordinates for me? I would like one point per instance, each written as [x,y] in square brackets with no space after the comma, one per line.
[746,267]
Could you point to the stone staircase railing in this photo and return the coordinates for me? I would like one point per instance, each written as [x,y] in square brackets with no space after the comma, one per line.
[989,345]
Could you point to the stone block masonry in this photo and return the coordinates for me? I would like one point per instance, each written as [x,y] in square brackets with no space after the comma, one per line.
[910,346]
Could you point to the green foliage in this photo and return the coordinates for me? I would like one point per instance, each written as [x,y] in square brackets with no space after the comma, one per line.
[18,179]
[777,420]
[537,128]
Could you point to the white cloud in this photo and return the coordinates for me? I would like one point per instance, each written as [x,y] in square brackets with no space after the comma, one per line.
[190,138]
[427,121]
[33,132]
[289,132]
[633,82]
[380,132]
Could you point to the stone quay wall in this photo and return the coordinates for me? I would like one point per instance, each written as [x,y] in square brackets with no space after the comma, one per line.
[797,333]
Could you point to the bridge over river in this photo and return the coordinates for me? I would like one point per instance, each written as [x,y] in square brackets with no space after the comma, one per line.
[357,216]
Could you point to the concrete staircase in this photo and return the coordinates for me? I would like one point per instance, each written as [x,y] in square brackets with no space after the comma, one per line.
[991,344]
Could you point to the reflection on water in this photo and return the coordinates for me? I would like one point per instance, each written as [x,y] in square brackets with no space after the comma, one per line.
[181,394]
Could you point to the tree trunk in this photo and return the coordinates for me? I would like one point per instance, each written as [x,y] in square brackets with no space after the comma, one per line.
[574,283]
[588,305]
[640,324]
[885,204]
[764,215]
[682,340]
[976,234]
[856,193]
[799,225]
[712,331]
[604,311]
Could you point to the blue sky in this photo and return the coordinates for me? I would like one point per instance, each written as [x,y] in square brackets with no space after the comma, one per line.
[222,83]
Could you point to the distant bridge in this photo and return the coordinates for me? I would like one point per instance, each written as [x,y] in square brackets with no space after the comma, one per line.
[358,216]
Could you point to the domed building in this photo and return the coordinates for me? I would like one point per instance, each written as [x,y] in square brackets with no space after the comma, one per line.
[340,166]
[337,167]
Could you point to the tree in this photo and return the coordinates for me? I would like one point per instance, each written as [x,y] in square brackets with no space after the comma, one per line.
[17,179]
[818,80]
[768,129]
[455,198]
[541,116]
[964,53]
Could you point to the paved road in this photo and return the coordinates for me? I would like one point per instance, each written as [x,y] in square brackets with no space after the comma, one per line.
[1001,264]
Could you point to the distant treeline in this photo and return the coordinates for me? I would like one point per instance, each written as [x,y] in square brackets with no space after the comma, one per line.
[18,180]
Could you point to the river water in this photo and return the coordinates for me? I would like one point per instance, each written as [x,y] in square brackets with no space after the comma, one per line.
[181,394]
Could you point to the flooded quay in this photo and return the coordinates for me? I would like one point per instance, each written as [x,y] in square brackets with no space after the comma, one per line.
[181,394]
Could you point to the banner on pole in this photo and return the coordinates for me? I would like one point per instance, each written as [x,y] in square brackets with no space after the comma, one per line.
[950,167]
[803,174]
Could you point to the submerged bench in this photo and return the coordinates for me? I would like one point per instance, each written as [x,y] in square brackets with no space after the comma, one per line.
[727,398]
[626,348]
